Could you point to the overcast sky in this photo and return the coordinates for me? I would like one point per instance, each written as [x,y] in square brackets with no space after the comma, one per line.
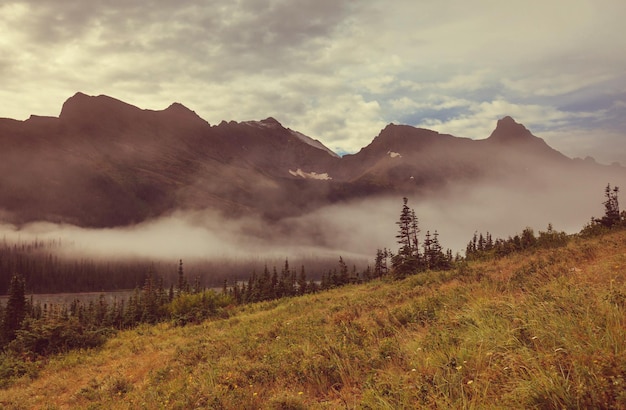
[335,70]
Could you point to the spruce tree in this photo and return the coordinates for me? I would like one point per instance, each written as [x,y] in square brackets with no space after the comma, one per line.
[428,254]
[379,264]
[611,207]
[343,273]
[405,231]
[182,281]
[302,284]
[407,259]
[15,311]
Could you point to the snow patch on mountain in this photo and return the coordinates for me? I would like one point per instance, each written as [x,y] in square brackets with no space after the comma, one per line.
[394,154]
[310,175]
[312,142]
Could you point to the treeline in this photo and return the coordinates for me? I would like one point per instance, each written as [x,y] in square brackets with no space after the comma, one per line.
[482,247]
[30,328]
[52,267]
[46,272]
[413,256]
[612,218]
[292,282]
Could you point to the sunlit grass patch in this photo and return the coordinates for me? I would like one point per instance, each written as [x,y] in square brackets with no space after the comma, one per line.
[535,330]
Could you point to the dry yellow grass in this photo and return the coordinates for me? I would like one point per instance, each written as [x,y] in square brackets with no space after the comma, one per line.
[536,330]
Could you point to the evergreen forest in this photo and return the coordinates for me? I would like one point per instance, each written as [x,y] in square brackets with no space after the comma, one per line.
[31,332]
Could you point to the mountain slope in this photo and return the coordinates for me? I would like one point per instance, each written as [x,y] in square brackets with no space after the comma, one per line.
[103,162]
[532,330]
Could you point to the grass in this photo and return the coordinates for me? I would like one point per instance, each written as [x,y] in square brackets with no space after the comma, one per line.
[542,330]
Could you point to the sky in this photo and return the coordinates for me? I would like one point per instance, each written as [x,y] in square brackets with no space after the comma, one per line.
[335,70]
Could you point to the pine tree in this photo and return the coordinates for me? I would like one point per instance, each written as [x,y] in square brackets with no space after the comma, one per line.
[149,304]
[182,287]
[15,311]
[283,281]
[407,259]
[427,250]
[405,225]
[611,207]
[343,273]
[489,243]
[325,282]
[302,284]
[380,264]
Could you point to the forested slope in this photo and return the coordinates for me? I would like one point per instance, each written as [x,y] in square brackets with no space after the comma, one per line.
[543,328]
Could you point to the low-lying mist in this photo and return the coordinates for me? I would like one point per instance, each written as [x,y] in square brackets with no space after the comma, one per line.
[353,230]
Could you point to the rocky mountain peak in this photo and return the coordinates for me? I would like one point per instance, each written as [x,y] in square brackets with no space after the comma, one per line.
[182,113]
[82,106]
[507,129]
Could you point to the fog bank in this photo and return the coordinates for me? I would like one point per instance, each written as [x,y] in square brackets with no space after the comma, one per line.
[353,229]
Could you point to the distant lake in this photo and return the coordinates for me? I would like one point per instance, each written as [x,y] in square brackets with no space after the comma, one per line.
[84,297]
[67,298]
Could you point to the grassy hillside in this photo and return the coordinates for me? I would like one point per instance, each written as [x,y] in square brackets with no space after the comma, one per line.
[535,330]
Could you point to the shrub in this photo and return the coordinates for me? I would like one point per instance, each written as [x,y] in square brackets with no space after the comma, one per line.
[12,367]
[196,307]
[44,337]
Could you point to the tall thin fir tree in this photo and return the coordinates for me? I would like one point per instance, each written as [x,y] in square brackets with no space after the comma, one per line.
[415,230]
[404,236]
[611,207]
[15,311]
[183,286]
[343,272]
[407,259]
[302,283]
[427,251]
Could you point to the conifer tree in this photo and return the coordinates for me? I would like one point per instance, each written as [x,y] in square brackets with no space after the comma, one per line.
[302,284]
[427,250]
[407,259]
[271,286]
[182,281]
[291,286]
[325,282]
[611,207]
[15,311]
[380,263]
[343,278]
[405,229]
[282,284]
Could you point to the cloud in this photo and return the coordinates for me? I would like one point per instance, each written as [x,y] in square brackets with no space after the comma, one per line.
[335,70]
[353,230]
[606,145]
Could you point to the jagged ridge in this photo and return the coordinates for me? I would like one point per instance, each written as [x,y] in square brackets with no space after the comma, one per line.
[104,162]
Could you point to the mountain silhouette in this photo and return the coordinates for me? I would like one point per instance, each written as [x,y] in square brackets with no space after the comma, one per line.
[106,163]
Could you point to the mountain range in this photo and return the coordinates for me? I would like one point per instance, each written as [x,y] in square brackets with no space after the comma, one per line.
[104,163]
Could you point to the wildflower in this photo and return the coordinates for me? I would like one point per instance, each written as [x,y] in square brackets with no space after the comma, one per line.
[300,393]
[255,394]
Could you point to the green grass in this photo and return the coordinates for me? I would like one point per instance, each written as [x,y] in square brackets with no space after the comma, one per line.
[542,330]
